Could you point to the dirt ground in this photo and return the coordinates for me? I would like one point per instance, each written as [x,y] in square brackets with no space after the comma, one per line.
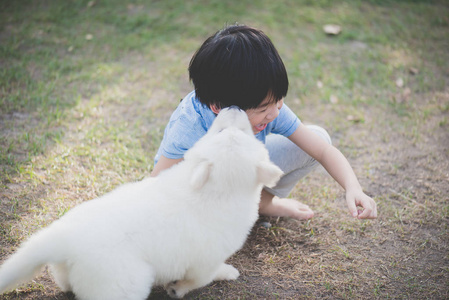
[401,255]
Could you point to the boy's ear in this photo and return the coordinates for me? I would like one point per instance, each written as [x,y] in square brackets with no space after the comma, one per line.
[268,173]
[215,109]
[200,174]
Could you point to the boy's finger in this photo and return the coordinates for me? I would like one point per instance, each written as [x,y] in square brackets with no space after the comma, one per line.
[370,212]
[352,207]
[366,214]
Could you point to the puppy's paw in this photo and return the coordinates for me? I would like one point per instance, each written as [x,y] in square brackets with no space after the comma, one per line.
[227,272]
[176,289]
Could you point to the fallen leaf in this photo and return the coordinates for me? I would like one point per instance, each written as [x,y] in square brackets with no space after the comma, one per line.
[406,93]
[332,29]
[353,118]
[262,256]
[413,71]
[333,99]
[404,96]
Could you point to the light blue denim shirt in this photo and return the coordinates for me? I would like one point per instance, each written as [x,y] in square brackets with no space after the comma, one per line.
[191,120]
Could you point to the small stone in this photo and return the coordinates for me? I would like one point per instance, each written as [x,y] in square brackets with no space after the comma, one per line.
[332,29]
[266,225]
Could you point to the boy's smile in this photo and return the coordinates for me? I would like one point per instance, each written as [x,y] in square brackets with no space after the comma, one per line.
[259,127]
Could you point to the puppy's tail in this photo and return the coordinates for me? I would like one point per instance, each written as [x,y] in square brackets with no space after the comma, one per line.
[28,260]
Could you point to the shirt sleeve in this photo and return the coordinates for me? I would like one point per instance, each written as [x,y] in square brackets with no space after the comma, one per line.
[180,135]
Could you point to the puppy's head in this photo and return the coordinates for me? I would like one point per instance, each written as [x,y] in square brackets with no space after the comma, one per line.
[229,155]
[231,117]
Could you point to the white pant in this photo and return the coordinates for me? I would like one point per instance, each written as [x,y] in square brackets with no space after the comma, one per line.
[295,163]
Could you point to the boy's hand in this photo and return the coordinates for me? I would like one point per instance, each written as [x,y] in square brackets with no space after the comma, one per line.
[358,199]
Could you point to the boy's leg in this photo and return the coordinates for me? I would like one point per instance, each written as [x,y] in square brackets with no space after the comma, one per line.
[296,164]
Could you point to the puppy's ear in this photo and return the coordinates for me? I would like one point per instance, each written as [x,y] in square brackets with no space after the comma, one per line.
[200,174]
[268,173]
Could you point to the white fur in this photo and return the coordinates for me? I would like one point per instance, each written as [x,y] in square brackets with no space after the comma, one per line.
[175,230]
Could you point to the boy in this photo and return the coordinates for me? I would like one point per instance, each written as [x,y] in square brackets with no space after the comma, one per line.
[240,66]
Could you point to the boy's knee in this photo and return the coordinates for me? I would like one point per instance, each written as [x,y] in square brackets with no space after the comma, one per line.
[321,132]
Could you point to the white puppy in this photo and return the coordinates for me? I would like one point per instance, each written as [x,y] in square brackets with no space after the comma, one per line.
[175,230]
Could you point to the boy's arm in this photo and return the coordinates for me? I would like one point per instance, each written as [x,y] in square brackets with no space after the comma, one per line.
[164,163]
[339,168]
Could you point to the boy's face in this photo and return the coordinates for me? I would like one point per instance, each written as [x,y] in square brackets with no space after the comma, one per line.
[266,112]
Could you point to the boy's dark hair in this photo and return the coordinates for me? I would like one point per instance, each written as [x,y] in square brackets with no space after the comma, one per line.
[238,65]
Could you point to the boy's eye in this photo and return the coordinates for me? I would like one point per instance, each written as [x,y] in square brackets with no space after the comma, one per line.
[264,109]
